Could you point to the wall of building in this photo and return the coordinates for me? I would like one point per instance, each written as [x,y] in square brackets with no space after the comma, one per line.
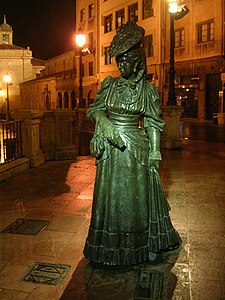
[195,61]
[18,63]
[58,85]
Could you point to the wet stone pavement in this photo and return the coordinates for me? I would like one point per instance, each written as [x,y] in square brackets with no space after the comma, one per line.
[60,195]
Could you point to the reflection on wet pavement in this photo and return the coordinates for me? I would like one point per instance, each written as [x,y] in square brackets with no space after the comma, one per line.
[61,193]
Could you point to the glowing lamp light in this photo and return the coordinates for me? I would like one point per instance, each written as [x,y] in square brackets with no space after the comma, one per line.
[173,7]
[80,39]
[7,78]
[2,93]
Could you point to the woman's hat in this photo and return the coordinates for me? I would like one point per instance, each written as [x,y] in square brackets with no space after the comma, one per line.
[129,36]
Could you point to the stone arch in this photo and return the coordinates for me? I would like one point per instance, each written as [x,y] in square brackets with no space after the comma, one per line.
[47,102]
[66,100]
[73,100]
[59,100]
[90,97]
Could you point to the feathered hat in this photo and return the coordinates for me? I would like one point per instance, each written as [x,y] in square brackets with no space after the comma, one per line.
[129,36]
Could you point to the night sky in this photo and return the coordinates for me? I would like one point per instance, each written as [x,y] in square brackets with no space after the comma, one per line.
[46,26]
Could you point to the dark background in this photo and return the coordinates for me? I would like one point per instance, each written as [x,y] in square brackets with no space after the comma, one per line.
[46,26]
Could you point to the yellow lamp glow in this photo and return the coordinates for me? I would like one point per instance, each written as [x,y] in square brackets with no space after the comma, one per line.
[7,78]
[2,93]
[173,7]
[80,39]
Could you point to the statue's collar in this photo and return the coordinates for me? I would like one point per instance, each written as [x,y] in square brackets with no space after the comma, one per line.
[128,83]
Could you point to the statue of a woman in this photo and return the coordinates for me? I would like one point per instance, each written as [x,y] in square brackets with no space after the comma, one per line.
[130,221]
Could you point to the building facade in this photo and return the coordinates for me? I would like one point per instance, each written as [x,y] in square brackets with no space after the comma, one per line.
[18,63]
[199,47]
[199,55]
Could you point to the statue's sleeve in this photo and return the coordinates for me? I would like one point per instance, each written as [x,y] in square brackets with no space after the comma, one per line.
[153,121]
[99,104]
[153,114]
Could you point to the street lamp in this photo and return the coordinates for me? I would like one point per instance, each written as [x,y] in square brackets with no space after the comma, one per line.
[80,41]
[176,13]
[7,78]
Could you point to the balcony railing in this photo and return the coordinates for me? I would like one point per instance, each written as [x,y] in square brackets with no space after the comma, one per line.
[10,141]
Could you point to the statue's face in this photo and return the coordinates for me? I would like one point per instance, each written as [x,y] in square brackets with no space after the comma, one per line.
[126,66]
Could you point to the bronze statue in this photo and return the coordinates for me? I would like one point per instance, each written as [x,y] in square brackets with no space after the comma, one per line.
[130,221]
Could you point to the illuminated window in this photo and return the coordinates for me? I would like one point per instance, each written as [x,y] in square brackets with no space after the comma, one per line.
[91,11]
[133,12]
[147,9]
[82,14]
[119,18]
[5,39]
[108,59]
[91,68]
[179,38]
[148,45]
[108,23]
[206,32]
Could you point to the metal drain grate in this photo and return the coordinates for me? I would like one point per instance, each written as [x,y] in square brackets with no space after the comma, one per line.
[26,226]
[46,273]
[149,286]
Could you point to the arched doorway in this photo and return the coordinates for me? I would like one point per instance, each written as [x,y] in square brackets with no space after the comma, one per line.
[90,97]
[66,100]
[59,100]
[73,100]
[47,102]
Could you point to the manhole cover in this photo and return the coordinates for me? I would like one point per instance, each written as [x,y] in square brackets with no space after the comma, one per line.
[149,285]
[47,273]
[26,226]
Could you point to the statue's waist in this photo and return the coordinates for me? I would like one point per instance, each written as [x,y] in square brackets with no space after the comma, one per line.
[124,120]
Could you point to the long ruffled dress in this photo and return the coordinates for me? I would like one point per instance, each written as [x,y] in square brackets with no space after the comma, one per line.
[130,215]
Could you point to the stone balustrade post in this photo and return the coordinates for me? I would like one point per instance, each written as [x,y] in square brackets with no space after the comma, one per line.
[57,135]
[30,136]
[171,136]
[63,127]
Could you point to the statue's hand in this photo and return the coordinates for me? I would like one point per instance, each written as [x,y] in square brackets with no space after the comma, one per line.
[111,134]
[109,131]
[97,146]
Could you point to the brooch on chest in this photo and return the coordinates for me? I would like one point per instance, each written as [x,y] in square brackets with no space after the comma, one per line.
[128,93]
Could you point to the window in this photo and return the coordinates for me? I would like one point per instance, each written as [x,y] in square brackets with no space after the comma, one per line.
[82,14]
[108,23]
[133,12]
[91,11]
[148,45]
[91,40]
[108,59]
[147,9]
[5,39]
[179,38]
[91,68]
[206,32]
[119,18]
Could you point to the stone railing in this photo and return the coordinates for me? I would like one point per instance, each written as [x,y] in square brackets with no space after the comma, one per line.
[56,134]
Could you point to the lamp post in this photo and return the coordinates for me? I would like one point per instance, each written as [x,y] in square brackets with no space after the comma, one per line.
[176,12]
[171,94]
[80,41]
[7,78]
[172,112]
